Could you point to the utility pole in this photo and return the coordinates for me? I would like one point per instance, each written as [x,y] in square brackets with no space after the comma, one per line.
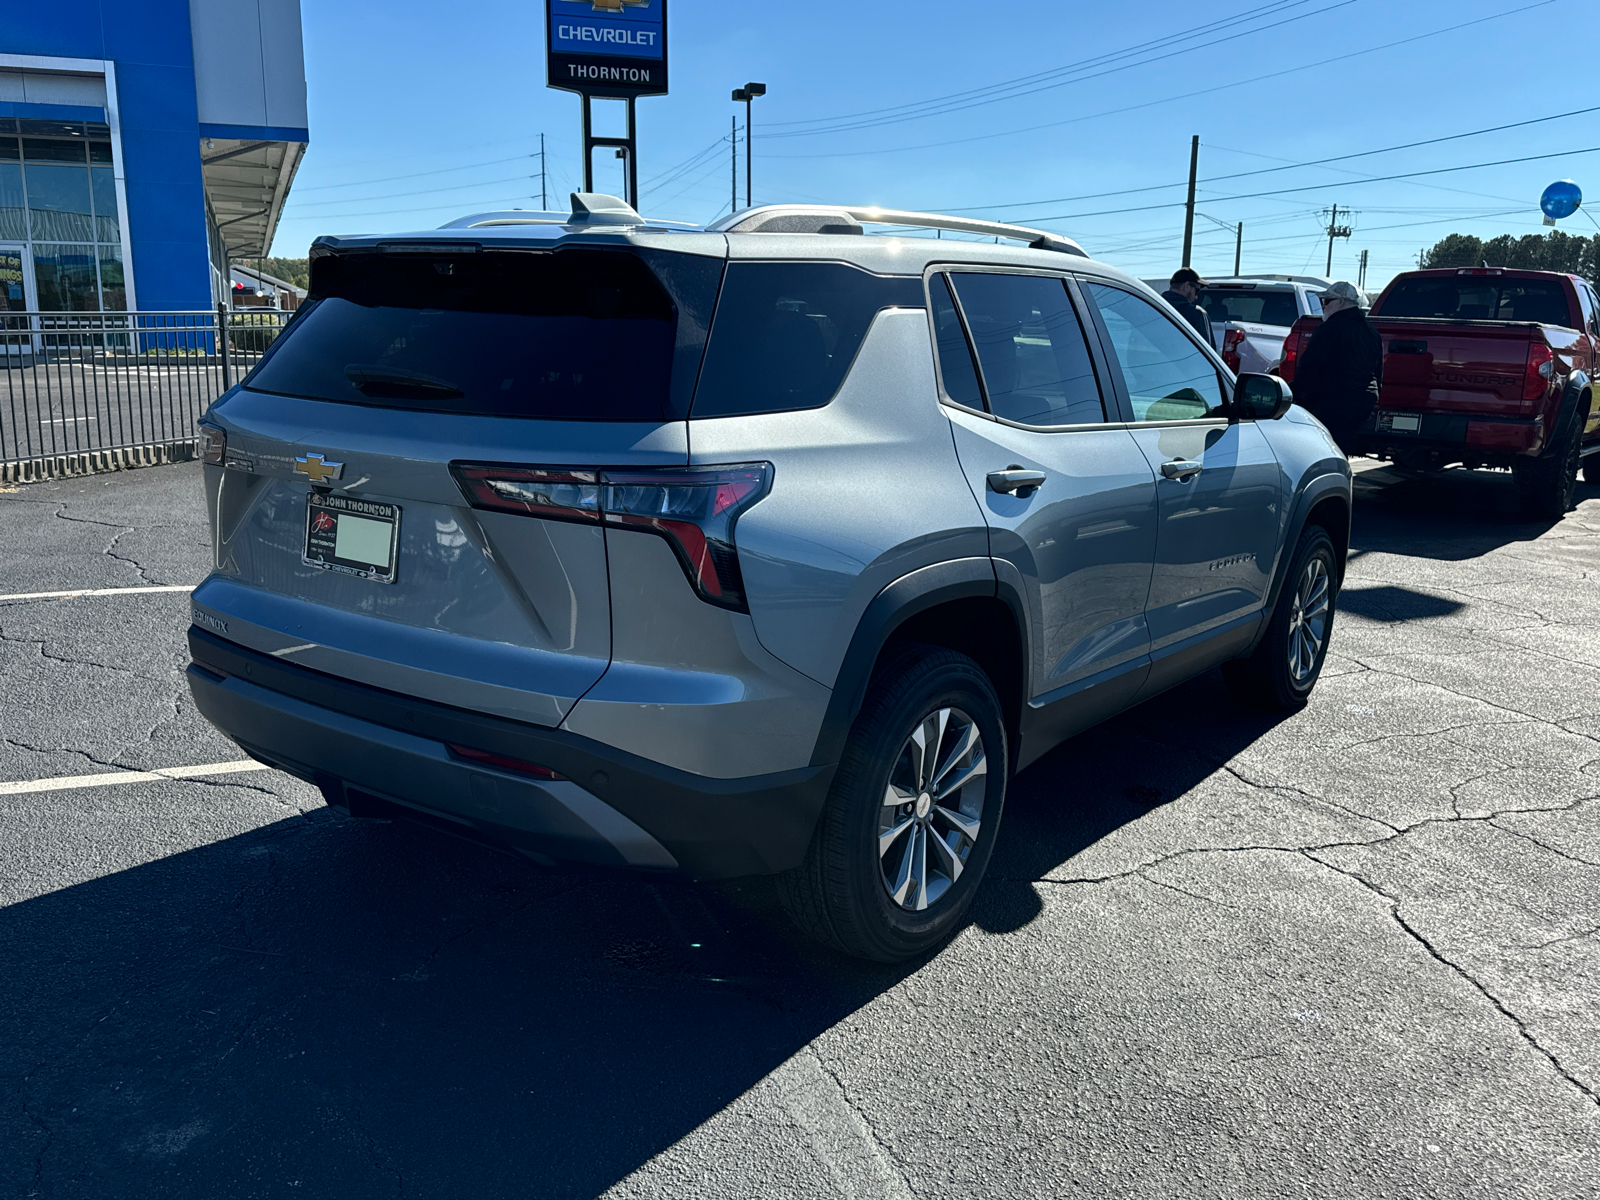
[1361,278]
[733,161]
[1336,230]
[544,200]
[748,93]
[1238,247]
[1188,215]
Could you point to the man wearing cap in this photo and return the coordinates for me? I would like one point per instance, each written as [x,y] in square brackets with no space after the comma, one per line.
[1340,372]
[1183,293]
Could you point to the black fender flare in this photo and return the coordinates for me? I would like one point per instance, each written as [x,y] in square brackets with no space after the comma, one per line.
[1308,495]
[913,593]
[1571,400]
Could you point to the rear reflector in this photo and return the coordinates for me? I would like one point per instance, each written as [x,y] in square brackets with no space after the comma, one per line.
[693,508]
[505,763]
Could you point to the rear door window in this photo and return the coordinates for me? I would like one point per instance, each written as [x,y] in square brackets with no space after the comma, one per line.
[786,333]
[958,375]
[1168,376]
[571,335]
[1031,348]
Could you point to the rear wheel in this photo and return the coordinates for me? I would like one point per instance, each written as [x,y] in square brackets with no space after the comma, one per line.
[1548,484]
[1280,673]
[911,819]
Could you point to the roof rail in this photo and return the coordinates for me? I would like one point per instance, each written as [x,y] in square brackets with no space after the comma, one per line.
[513,216]
[777,218]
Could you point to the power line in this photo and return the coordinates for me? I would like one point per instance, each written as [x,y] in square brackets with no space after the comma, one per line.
[1189,95]
[1323,186]
[458,187]
[1289,166]
[931,108]
[493,162]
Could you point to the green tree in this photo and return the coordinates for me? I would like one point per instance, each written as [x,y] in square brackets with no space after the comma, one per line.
[1554,251]
[292,270]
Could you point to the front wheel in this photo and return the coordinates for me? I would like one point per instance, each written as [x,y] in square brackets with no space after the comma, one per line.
[910,822]
[1280,673]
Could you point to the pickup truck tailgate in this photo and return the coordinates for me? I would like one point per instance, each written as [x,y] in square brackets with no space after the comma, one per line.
[1449,367]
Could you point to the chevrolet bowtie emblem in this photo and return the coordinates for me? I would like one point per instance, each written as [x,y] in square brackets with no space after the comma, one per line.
[315,468]
[614,6]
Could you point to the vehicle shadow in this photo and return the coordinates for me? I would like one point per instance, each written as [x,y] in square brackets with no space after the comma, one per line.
[360,1005]
[1450,516]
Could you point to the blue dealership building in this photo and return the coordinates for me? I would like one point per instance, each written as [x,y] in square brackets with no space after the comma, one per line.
[144,144]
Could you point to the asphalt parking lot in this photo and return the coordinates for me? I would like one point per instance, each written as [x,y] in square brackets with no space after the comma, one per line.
[1355,953]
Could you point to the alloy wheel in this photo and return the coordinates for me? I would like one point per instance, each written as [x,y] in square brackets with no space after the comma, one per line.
[929,819]
[1308,619]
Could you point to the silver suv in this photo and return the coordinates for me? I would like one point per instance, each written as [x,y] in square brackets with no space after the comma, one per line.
[762,548]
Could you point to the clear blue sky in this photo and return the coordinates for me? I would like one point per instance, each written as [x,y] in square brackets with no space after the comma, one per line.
[456,90]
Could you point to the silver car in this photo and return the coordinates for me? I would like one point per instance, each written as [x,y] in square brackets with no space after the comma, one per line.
[759,548]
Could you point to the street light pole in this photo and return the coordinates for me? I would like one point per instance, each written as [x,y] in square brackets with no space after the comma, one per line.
[748,93]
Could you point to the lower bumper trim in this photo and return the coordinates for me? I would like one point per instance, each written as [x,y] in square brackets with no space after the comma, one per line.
[612,808]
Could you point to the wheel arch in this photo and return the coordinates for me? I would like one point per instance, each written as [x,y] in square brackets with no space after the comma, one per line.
[1324,500]
[959,605]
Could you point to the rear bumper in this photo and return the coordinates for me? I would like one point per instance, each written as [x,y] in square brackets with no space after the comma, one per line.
[1460,433]
[374,752]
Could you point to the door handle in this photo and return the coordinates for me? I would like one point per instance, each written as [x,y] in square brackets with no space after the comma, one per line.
[1181,469]
[1016,480]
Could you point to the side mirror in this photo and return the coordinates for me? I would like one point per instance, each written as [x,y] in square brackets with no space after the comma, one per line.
[1260,398]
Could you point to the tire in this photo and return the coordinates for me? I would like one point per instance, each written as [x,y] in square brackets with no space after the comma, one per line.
[1281,671]
[877,906]
[1548,485]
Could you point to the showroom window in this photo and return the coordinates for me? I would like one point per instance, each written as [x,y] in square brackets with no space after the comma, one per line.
[58,198]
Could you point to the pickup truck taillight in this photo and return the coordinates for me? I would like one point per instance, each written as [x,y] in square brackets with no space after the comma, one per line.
[1541,369]
[693,508]
[1294,345]
[1230,348]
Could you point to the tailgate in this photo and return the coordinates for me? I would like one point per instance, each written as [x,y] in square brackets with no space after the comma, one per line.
[1448,367]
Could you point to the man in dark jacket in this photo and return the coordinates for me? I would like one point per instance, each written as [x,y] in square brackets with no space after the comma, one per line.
[1183,293]
[1341,369]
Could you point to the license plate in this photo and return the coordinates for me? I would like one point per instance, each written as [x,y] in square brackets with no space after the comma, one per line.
[1394,422]
[357,537]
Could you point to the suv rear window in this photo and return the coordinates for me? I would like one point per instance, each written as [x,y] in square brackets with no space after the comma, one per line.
[786,333]
[1253,306]
[1479,298]
[575,334]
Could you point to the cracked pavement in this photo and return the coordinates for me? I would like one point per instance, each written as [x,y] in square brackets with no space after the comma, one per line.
[1351,953]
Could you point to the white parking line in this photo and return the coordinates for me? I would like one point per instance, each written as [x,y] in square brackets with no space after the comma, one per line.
[127,591]
[62,783]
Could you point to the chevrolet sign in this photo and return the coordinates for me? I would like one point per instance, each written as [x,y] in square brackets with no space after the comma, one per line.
[612,48]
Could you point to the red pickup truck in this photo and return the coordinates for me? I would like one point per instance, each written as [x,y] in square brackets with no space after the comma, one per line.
[1487,367]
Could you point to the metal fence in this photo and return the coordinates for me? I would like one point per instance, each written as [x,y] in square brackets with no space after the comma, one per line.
[86,392]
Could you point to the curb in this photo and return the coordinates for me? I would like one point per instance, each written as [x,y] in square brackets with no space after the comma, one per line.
[91,462]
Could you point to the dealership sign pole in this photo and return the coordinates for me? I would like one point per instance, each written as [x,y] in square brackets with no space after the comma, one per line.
[610,49]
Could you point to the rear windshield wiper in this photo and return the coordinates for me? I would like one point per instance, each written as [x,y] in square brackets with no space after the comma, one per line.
[389,383]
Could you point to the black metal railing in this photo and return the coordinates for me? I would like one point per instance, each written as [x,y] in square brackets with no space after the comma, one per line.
[88,391]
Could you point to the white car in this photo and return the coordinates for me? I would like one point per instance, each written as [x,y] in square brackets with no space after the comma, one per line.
[1252,314]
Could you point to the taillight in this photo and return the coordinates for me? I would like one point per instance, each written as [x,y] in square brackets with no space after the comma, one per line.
[1294,345]
[693,508]
[213,444]
[1231,340]
[1541,368]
